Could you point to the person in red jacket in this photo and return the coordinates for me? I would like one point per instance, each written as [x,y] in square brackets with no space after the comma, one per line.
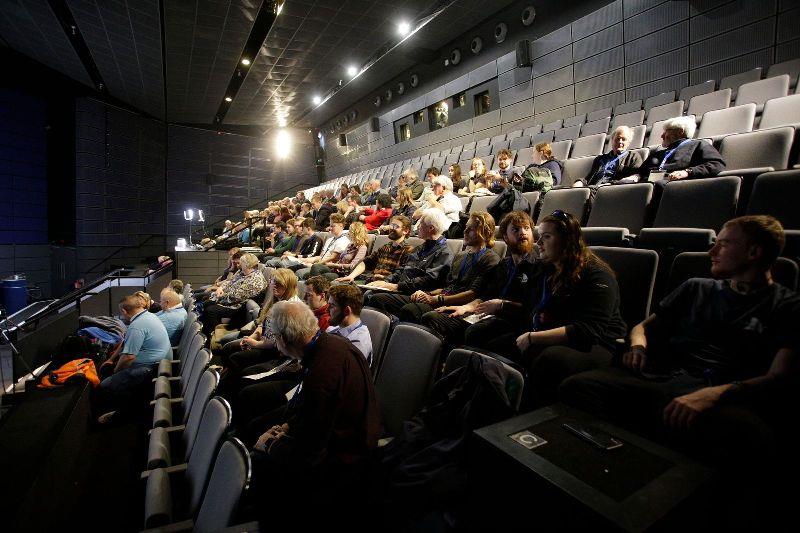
[375,218]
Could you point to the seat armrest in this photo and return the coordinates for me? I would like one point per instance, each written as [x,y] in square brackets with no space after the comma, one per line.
[170,470]
[185,525]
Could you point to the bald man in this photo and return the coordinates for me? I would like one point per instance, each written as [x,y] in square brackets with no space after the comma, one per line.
[172,314]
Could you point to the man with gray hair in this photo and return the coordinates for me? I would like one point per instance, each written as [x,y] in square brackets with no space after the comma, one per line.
[618,165]
[681,157]
[371,191]
[413,183]
[172,314]
[331,423]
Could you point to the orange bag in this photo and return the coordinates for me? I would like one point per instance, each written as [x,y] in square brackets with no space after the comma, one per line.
[77,369]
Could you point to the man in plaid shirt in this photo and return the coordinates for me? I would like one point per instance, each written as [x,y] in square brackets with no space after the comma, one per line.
[385,259]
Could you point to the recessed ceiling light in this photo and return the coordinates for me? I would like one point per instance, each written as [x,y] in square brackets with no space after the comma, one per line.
[317,100]
[245,61]
[352,71]
[403,28]
[228,99]
[282,122]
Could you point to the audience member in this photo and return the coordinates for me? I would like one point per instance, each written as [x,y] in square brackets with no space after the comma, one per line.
[355,252]
[618,165]
[321,212]
[345,303]
[316,297]
[331,250]
[413,183]
[386,259]
[230,299]
[172,314]
[680,156]
[545,171]
[441,198]
[374,218]
[477,170]
[311,246]
[454,173]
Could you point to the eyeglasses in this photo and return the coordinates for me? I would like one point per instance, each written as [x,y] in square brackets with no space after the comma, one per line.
[561,215]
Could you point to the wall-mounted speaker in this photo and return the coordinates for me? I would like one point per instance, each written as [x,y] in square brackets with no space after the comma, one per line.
[528,15]
[414,80]
[524,53]
[374,124]
[401,87]
[455,56]
[476,45]
[388,95]
[378,101]
[500,32]
[342,139]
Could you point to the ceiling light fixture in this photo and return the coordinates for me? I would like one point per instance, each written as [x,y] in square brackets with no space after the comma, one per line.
[228,99]
[317,99]
[245,62]
[403,28]
[352,71]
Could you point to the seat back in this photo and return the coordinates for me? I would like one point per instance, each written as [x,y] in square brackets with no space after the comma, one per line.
[525,156]
[229,479]
[533,199]
[578,168]
[552,126]
[199,365]
[781,112]
[655,134]
[413,241]
[513,134]
[252,309]
[734,81]
[596,126]
[577,120]
[193,413]
[480,203]
[518,143]
[701,104]
[659,99]
[573,201]
[406,374]
[790,68]
[628,107]
[636,276]
[191,328]
[514,382]
[687,93]
[192,349]
[737,119]
[215,422]
[483,151]
[635,118]
[561,149]
[544,137]
[758,92]
[497,138]
[570,132]
[588,146]
[621,206]
[532,130]
[776,194]
[455,245]
[499,145]
[758,149]
[665,111]
[706,203]
[637,139]
[378,325]
[598,114]
[688,265]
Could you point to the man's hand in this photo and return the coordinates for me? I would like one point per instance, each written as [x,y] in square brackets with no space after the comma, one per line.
[274,433]
[218,292]
[489,307]
[635,358]
[422,297]
[344,279]
[383,285]
[455,310]
[683,410]
[677,175]
[524,342]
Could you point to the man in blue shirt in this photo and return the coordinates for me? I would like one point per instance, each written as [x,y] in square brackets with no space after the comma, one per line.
[344,304]
[172,315]
[146,343]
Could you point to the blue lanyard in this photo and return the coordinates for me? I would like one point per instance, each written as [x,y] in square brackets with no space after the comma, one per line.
[511,274]
[423,254]
[546,296]
[475,258]
[669,154]
[612,165]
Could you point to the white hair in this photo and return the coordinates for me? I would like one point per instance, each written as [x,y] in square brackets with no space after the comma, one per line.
[626,129]
[436,218]
[248,261]
[294,321]
[411,172]
[686,124]
[172,297]
[444,181]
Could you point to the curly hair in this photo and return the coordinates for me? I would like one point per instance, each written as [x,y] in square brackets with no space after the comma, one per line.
[484,226]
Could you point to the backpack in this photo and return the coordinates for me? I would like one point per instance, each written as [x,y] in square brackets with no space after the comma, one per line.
[77,370]
[507,201]
[426,464]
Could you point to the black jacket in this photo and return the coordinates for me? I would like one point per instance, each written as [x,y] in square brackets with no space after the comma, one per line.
[627,165]
[311,247]
[322,217]
[425,269]
[701,157]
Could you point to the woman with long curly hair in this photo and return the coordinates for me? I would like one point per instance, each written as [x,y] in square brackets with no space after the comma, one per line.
[355,252]
[575,322]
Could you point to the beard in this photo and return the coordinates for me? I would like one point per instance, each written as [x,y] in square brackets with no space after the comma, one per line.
[394,235]
[523,248]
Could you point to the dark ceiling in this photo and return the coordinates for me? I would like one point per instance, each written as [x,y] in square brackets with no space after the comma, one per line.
[174,59]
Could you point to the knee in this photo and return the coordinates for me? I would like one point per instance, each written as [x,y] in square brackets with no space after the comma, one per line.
[430,318]
[409,313]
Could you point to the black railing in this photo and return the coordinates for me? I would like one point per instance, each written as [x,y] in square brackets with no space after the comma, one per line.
[122,249]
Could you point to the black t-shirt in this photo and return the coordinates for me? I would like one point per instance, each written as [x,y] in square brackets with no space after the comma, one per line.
[469,270]
[723,335]
[513,283]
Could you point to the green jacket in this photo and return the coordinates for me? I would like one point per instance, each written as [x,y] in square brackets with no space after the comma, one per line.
[285,245]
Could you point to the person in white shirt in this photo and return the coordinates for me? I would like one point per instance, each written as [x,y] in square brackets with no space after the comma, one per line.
[344,305]
[442,198]
[331,250]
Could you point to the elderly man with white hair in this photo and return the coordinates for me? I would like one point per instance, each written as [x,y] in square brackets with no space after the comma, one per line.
[172,314]
[425,269]
[441,198]
[618,165]
[681,157]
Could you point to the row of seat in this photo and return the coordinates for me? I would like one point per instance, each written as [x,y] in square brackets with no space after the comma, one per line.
[708,106]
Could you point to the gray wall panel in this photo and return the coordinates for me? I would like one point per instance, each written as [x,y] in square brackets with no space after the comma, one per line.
[555,114]
[732,44]
[654,19]
[657,43]
[614,81]
[599,42]
[788,50]
[506,62]
[599,64]
[598,20]
[553,61]
[662,66]
[551,42]
[518,111]
[481,74]
[516,94]
[594,104]
[553,100]
[788,27]
[513,77]
[673,83]
[633,7]
[719,70]
[552,81]
[730,16]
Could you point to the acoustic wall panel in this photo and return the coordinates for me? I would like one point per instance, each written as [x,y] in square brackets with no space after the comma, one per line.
[654,19]
[601,85]
[513,77]
[717,71]
[597,20]
[518,111]
[517,93]
[599,64]
[552,61]
[554,80]
[483,73]
[657,43]
[609,100]
[598,42]
[730,16]
[506,62]
[788,28]
[553,100]
[551,42]
[733,43]
[658,67]
[673,83]
[634,7]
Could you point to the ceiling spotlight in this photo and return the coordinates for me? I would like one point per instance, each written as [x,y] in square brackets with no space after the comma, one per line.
[228,99]
[352,71]
[245,62]
[282,122]
[403,28]
[317,100]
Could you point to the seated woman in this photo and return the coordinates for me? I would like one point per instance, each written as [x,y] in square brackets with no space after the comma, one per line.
[533,179]
[344,190]
[576,324]
[405,205]
[454,172]
[355,252]
[477,170]
[258,347]
[375,218]
[230,298]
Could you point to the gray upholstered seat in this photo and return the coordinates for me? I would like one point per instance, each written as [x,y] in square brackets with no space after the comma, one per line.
[378,325]
[687,93]
[514,381]
[717,124]
[577,120]
[597,126]
[591,145]
[758,92]
[623,206]
[599,114]
[783,111]
[790,67]
[628,107]
[480,203]
[544,137]
[658,100]
[532,130]
[734,81]
[573,201]
[561,149]
[570,132]
[635,118]
[663,112]
[636,276]
[518,143]
[701,104]
[553,126]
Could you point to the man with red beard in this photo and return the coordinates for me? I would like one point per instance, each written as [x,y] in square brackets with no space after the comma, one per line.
[503,304]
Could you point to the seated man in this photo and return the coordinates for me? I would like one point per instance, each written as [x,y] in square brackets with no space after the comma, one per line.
[330,252]
[310,247]
[425,269]
[316,297]
[716,359]
[146,343]
[680,156]
[172,315]
[505,171]
[229,300]
[321,212]
[285,244]
[321,443]
[463,282]
[372,189]
[618,165]
[345,303]
[441,198]
[412,182]
[502,306]
[386,259]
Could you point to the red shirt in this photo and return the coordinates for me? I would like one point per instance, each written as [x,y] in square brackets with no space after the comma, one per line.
[323,317]
[375,219]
